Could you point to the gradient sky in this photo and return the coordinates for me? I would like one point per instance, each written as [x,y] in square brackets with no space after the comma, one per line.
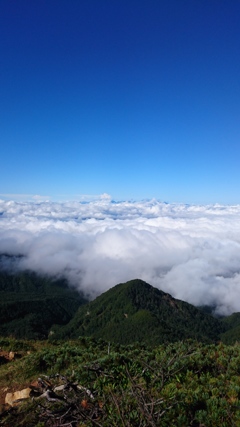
[137,99]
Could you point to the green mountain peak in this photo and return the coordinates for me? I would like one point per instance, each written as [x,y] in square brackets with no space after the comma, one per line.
[136,311]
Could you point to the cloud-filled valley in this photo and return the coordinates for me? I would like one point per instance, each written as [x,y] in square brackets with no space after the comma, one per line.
[192,252]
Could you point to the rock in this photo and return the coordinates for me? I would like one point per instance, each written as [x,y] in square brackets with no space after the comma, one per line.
[11,355]
[11,398]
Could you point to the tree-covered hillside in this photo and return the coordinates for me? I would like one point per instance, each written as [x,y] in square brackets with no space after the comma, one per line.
[136,311]
[232,323]
[31,304]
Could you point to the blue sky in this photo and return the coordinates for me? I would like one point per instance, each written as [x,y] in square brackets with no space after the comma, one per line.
[137,99]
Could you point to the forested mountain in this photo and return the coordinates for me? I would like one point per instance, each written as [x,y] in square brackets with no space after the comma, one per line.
[136,311]
[33,306]
[232,323]
[30,304]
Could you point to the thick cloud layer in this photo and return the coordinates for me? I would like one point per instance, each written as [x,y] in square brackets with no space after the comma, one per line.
[192,252]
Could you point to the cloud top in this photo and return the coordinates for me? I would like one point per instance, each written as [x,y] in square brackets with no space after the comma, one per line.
[192,252]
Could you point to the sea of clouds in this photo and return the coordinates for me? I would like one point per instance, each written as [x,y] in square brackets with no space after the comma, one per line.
[192,252]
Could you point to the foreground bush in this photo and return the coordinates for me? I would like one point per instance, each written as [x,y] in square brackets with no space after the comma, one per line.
[182,384]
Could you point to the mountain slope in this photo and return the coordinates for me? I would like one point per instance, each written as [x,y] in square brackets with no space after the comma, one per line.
[232,324]
[136,311]
[31,304]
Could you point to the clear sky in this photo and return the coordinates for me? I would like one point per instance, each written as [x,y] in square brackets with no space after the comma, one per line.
[137,99]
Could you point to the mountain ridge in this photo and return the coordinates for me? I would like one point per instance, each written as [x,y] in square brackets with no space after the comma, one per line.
[39,307]
[136,311]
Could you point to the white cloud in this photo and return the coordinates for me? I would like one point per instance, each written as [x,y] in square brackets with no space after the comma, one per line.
[25,197]
[192,252]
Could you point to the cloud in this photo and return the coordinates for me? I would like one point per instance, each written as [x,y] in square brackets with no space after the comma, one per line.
[25,197]
[192,252]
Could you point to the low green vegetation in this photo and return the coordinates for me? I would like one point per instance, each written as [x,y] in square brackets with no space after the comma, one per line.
[186,383]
